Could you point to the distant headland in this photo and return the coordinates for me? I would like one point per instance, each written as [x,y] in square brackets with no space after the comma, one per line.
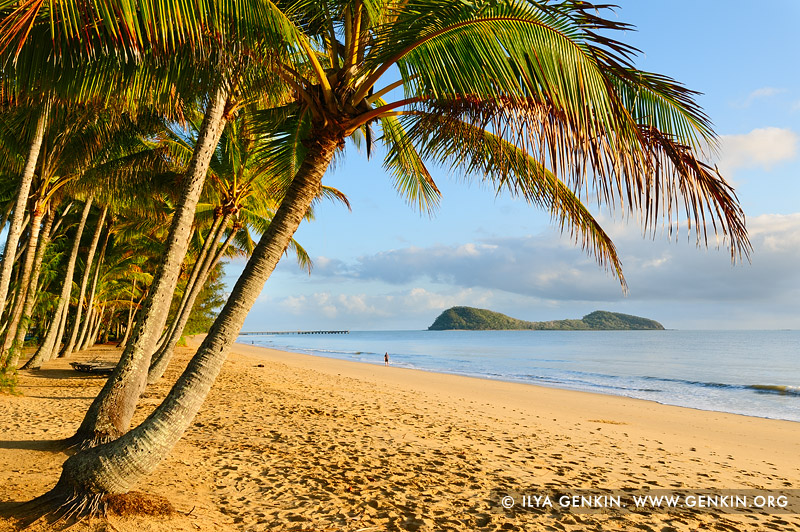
[476,319]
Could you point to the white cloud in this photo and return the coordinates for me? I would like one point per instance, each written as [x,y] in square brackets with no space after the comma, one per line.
[761,148]
[329,305]
[544,277]
[760,94]
[396,309]
[776,233]
[549,267]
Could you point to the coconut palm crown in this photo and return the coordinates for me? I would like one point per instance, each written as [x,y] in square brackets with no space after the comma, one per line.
[534,96]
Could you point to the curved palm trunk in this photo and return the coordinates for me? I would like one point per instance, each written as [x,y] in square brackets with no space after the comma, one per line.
[117,466]
[84,282]
[13,298]
[211,239]
[6,216]
[53,336]
[15,230]
[130,317]
[110,414]
[21,247]
[25,280]
[30,298]
[217,228]
[92,322]
[61,218]
[84,334]
[162,358]
[62,326]
[96,329]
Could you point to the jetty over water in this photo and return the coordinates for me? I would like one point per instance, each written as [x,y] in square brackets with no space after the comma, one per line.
[263,333]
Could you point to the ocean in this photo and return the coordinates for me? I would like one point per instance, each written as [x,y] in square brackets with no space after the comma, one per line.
[755,373]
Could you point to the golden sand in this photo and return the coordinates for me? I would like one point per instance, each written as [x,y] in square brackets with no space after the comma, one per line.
[293,442]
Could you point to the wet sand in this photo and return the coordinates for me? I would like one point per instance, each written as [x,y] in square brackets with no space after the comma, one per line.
[294,442]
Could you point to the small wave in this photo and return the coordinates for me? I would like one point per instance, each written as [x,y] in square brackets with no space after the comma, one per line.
[584,384]
[776,389]
[694,383]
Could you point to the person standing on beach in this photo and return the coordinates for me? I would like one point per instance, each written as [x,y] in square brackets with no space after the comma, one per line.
[386,359]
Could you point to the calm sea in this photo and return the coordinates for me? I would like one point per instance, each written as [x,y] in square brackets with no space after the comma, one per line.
[756,373]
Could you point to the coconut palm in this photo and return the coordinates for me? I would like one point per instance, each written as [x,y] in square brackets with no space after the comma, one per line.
[142,201]
[80,139]
[76,324]
[244,192]
[47,348]
[16,333]
[41,221]
[530,96]
[29,50]
[23,191]
[124,270]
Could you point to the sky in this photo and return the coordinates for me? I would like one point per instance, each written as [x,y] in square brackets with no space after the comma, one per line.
[385,266]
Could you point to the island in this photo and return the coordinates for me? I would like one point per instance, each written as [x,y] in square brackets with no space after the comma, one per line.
[476,319]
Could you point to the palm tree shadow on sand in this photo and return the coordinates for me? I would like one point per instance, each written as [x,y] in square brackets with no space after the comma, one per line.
[34,445]
[58,373]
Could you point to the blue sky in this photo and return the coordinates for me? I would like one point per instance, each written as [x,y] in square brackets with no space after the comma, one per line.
[386,266]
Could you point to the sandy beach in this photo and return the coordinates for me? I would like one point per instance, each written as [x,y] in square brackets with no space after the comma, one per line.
[294,442]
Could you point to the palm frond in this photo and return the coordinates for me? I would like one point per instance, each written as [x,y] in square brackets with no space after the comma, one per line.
[411,178]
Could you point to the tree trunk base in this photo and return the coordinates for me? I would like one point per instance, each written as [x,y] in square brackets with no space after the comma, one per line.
[64,505]
[81,441]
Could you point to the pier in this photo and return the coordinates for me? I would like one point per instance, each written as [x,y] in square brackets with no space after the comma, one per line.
[257,333]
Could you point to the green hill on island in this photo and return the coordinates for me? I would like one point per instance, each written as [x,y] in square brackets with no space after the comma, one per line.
[476,319]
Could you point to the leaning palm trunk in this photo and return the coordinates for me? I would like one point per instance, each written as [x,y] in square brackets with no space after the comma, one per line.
[53,336]
[96,328]
[21,247]
[15,230]
[12,299]
[84,282]
[217,228]
[30,298]
[62,327]
[110,414]
[57,226]
[24,283]
[6,215]
[162,358]
[129,323]
[92,321]
[90,305]
[118,466]
[211,239]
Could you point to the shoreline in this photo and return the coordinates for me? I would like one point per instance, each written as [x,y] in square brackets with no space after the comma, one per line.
[291,441]
[560,401]
[520,382]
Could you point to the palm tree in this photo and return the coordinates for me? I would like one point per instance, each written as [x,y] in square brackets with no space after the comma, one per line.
[22,199]
[76,324]
[30,51]
[41,220]
[532,96]
[17,333]
[126,383]
[50,344]
[80,139]
[244,192]
[124,268]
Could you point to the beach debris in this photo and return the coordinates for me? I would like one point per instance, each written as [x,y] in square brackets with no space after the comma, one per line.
[94,367]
